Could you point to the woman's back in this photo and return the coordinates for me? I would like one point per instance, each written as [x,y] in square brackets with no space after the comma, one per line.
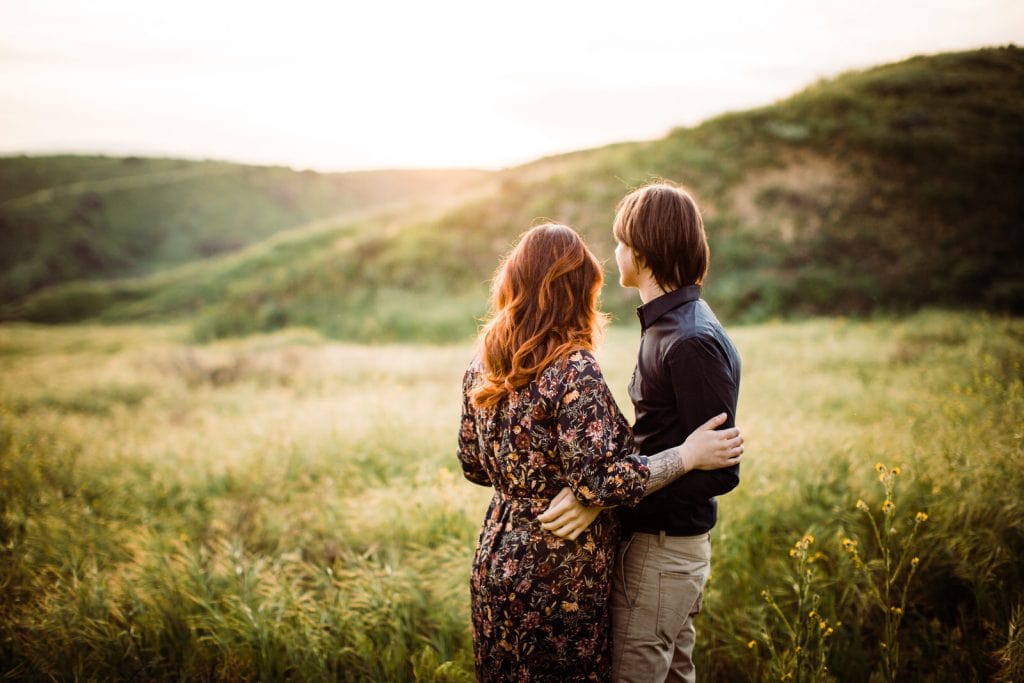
[540,601]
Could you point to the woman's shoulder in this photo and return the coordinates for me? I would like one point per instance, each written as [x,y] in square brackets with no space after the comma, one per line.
[576,366]
[473,371]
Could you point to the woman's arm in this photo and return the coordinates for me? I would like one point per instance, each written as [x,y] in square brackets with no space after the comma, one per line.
[704,449]
[468,452]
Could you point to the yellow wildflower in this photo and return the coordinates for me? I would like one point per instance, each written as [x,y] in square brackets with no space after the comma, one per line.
[914,561]
[888,506]
[879,467]
[921,517]
[751,644]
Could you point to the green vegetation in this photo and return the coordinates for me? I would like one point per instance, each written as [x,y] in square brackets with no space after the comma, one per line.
[283,506]
[883,190]
[179,502]
[86,218]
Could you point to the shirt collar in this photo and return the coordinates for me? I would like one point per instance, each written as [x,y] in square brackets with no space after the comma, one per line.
[655,308]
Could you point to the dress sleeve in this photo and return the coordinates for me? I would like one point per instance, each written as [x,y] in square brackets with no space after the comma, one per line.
[469,453]
[594,439]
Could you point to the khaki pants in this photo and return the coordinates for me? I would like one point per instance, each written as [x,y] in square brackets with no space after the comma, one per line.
[657,589]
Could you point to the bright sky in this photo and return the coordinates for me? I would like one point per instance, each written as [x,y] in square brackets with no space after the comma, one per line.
[338,85]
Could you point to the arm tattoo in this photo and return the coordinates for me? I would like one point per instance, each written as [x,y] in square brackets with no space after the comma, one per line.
[666,467]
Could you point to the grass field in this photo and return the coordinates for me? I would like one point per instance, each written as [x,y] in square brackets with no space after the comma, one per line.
[288,507]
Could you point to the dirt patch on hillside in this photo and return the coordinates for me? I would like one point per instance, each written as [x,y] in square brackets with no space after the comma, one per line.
[794,198]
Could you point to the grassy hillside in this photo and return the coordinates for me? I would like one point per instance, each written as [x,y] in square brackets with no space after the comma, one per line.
[76,217]
[283,507]
[882,190]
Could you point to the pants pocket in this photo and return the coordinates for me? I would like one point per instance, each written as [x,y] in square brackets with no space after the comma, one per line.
[679,597]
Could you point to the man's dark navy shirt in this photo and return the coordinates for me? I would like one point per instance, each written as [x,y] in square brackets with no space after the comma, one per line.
[687,372]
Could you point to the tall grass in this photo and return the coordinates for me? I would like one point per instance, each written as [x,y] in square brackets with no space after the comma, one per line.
[287,507]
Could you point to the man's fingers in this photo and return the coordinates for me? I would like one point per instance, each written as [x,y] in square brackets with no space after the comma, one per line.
[564,531]
[555,510]
[558,504]
[562,495]
[560,519]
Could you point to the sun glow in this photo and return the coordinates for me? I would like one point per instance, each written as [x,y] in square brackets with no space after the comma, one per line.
[452,83]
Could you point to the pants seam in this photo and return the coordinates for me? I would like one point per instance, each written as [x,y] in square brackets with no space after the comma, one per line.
[629,603]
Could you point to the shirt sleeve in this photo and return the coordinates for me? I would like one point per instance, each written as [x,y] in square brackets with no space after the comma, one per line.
[703,385]
[594,440]
[469,453]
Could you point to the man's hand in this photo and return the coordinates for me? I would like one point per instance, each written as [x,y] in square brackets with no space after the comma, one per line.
[566,517]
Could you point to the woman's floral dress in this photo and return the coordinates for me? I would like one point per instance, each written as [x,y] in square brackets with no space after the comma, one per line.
[540,603]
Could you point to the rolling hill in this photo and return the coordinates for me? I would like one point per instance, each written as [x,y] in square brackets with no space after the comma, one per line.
[71,218]
[889,189]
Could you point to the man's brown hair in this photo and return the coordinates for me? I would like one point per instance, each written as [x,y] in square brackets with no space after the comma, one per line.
[661,223]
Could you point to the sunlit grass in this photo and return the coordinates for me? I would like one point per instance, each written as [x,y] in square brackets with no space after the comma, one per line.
[287,507]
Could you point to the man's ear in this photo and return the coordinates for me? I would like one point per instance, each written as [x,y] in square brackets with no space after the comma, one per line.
[638,261]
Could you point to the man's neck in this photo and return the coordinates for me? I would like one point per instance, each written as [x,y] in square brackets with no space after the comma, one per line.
[649,289]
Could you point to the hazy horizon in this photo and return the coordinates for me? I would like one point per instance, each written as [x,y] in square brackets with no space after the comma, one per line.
[451,85]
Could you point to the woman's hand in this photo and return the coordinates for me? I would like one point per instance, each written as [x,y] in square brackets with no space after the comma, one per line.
[566,517]
[708,449]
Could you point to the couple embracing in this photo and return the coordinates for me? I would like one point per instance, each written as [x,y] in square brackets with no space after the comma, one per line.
[562,587]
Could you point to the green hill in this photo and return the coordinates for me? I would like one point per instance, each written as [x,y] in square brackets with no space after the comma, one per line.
[69,218]
[883,190]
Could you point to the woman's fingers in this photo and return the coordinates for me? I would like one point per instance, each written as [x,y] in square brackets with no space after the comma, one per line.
[714,422]
[732,450]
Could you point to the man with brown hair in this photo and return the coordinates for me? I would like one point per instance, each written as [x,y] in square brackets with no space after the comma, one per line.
[687,371]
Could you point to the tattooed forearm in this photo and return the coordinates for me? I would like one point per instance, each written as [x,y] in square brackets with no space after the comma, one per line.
[665,467]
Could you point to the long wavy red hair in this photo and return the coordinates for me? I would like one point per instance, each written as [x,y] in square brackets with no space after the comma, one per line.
[543,306]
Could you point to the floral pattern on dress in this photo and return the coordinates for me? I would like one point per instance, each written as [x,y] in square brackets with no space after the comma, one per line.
[540,603]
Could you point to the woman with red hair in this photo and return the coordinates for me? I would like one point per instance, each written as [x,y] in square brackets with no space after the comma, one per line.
[539,417]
